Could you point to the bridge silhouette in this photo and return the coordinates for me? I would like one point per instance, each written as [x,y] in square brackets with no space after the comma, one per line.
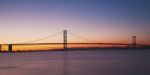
[65,43]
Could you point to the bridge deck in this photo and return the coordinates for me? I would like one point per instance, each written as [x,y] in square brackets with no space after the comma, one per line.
[75,44]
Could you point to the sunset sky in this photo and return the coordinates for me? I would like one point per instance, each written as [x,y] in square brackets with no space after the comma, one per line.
[98,20]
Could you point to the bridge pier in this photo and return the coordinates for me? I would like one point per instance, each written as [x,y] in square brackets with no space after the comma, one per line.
[10,48]
[65,39]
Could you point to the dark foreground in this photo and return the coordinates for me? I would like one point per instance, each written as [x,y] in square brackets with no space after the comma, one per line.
[97,62]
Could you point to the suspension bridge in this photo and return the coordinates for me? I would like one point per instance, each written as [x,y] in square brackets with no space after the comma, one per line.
[65,43]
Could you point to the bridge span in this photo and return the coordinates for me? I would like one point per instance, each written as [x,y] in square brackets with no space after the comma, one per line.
[66,43]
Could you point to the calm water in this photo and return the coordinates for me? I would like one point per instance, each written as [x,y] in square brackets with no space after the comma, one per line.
[110,62]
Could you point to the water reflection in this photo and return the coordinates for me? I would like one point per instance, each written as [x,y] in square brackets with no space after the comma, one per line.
[110,62]
[65,63]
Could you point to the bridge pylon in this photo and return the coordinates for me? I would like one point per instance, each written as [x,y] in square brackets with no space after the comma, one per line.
[65,39]
[133,41]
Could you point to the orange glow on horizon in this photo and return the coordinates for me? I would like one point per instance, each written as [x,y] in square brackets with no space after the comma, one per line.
[54,47]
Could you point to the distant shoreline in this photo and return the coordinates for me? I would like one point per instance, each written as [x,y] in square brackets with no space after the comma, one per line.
[84,49]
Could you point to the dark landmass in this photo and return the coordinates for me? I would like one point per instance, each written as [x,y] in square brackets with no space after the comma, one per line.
[85,48]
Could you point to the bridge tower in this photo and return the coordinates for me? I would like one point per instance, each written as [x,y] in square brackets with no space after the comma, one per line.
[10,47]
[133,41]
[65,39]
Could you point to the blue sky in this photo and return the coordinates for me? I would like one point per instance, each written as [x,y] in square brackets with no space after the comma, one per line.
[23,20]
